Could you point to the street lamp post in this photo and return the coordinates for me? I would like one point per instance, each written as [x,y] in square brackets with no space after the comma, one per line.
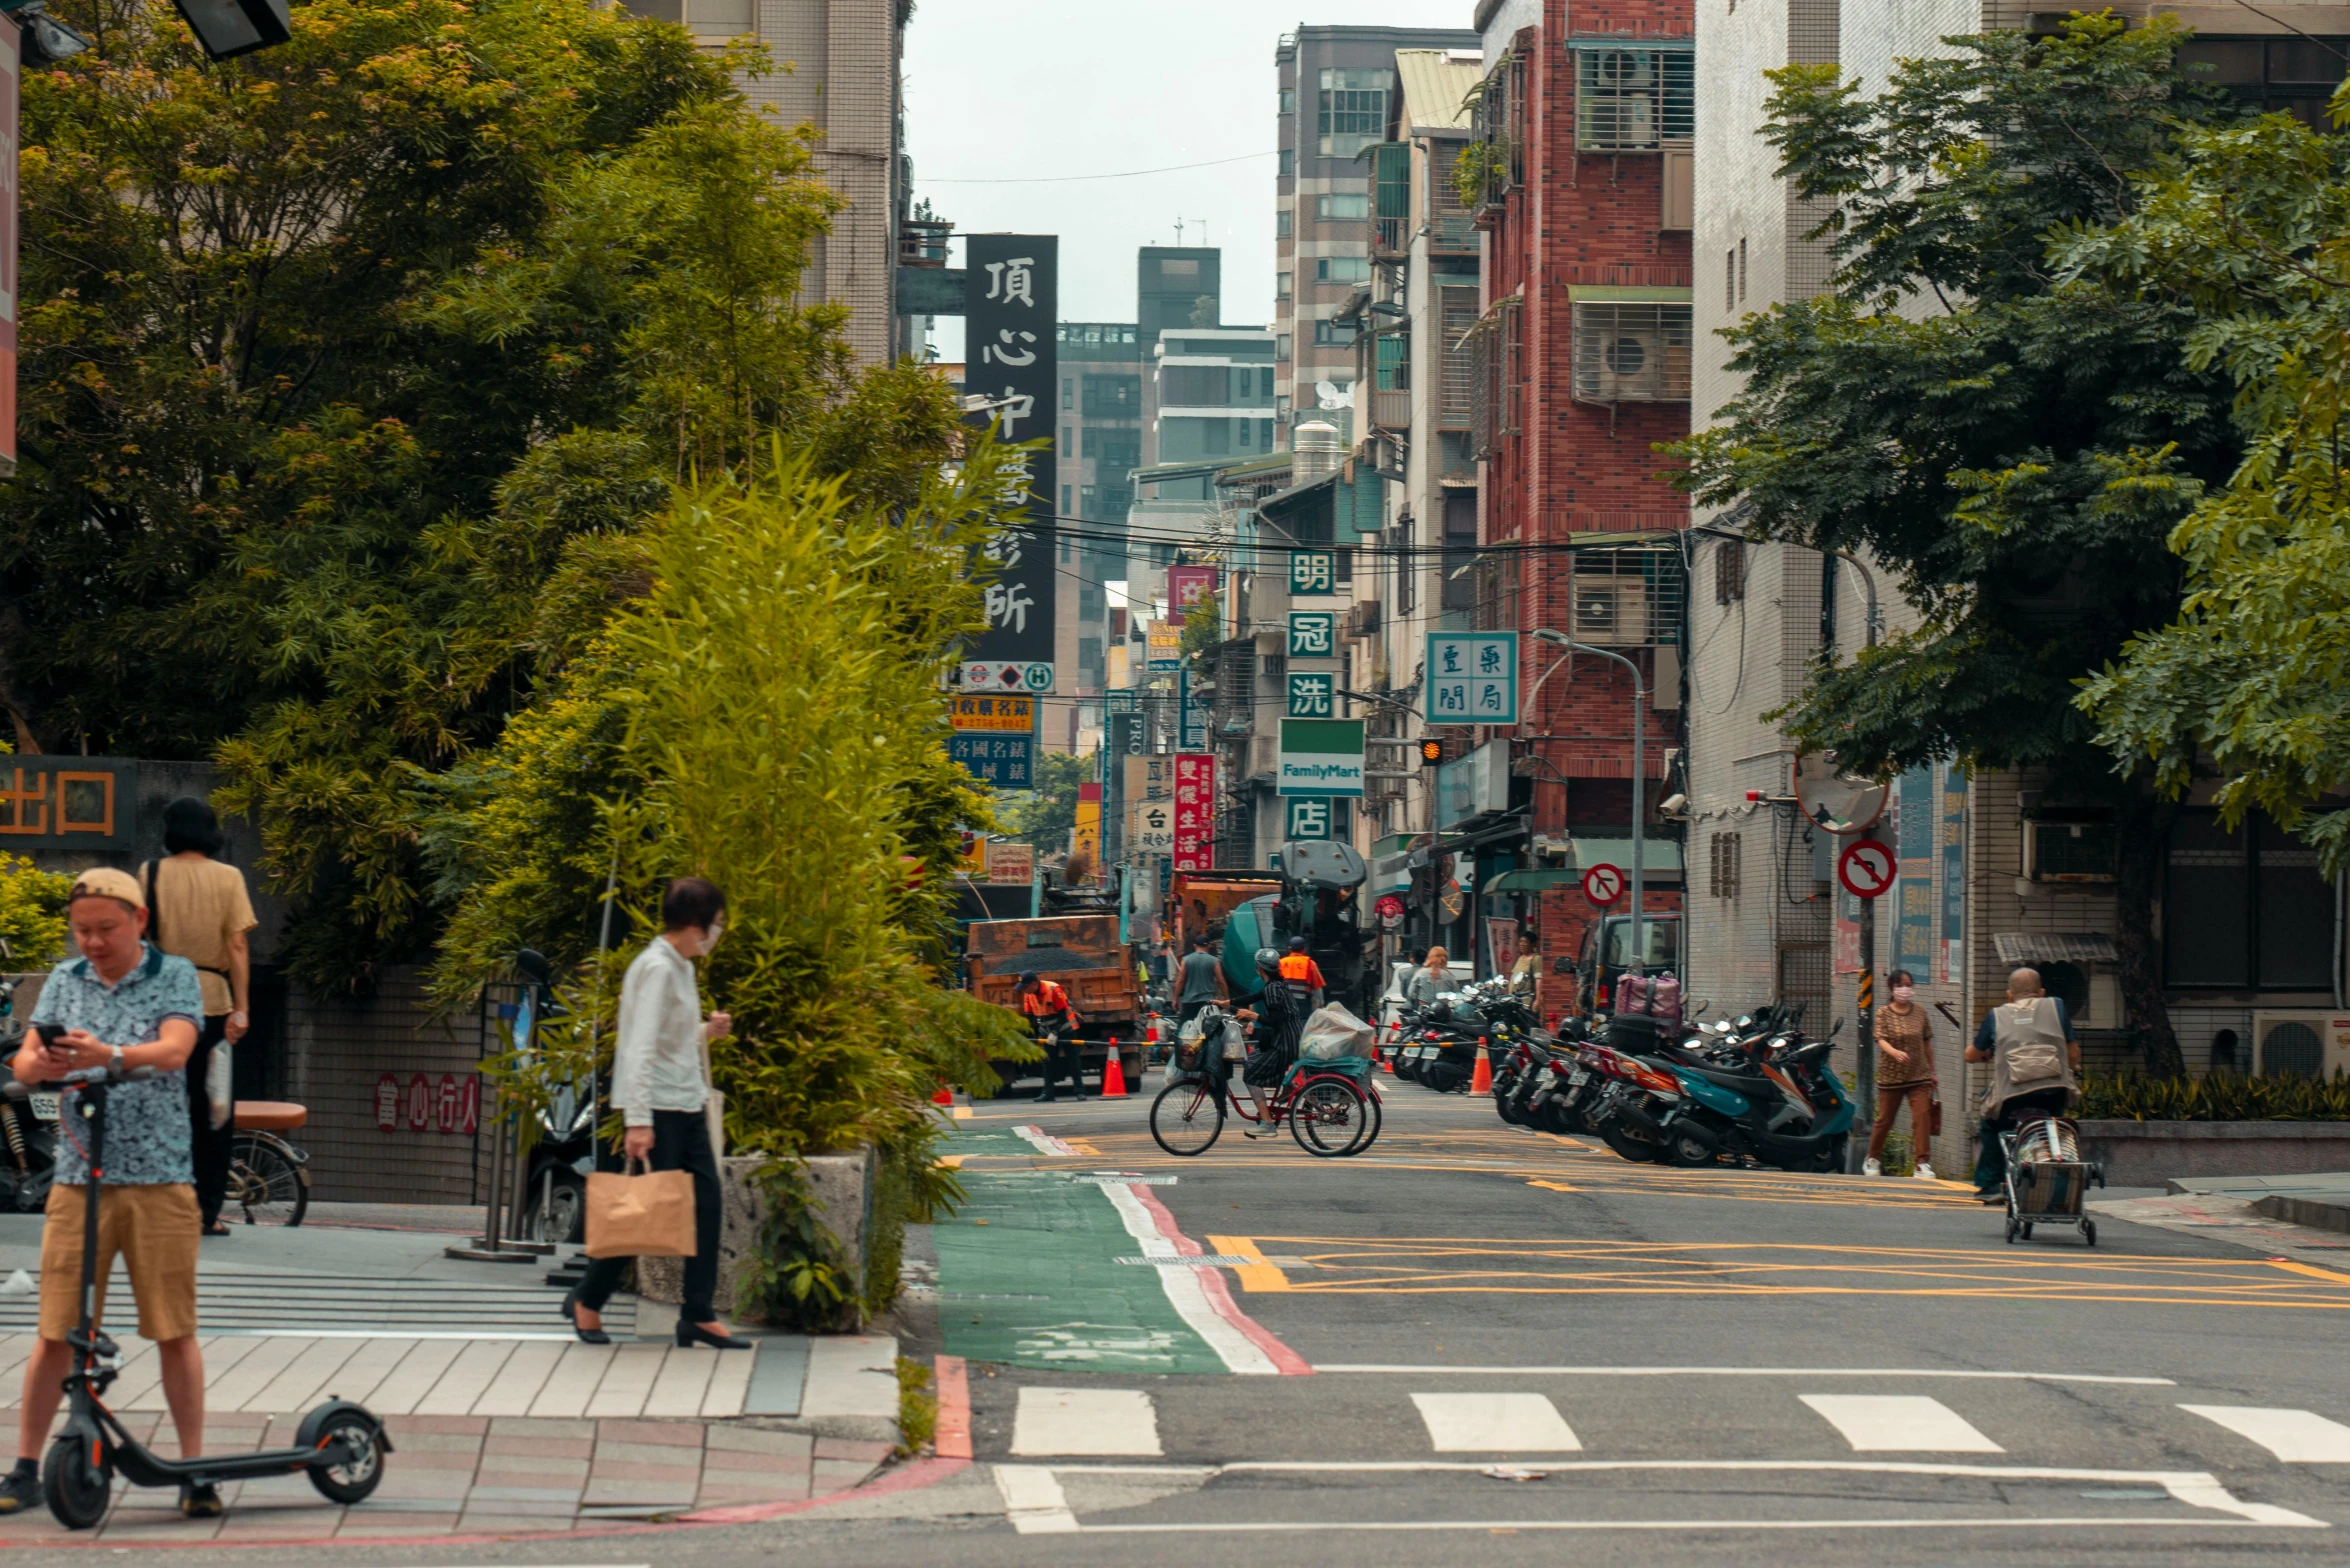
[1639,933]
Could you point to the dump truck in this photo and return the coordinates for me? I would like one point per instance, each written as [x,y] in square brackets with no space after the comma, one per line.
[1083,955]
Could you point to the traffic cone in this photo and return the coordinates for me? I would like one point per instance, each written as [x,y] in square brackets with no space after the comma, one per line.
[945,1096]
[1387,1059]
[1113,1075]
[1481,1080]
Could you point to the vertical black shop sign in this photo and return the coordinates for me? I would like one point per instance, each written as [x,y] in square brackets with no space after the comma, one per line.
[1012,305]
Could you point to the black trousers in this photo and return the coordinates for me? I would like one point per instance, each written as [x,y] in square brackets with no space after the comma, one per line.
[681,1142]
[1065,1060]
[212,1147]
[1990,1159]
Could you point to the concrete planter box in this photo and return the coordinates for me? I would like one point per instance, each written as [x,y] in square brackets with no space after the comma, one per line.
[843,1187]
[2147,1154]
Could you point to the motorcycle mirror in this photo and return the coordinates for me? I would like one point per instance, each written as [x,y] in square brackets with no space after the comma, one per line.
[1835,1028]
[534,966]
[1745,1020]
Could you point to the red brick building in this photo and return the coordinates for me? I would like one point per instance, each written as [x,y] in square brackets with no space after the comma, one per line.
[1582,353]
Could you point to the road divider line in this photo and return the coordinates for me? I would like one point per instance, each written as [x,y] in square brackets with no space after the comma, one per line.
[1246,1345]
[1186,1289]
[1426,1369]
[1257,1277]
[2298,1437]
[1044,1142]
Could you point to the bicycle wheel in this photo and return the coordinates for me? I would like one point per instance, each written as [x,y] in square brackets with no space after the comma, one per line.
[267,1182]
[1185,1118]
[1327,1117]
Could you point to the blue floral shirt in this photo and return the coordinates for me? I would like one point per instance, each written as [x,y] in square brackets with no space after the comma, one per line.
[147,1120]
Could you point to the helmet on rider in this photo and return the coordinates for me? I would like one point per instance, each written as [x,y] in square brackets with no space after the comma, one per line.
[1268,963]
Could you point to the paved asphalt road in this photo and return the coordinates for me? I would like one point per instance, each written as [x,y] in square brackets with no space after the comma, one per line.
[1520,1347]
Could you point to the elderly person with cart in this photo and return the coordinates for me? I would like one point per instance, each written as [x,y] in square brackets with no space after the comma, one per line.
[2035,1067]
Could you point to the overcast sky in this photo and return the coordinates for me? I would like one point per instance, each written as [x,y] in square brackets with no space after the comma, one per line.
[1015,89]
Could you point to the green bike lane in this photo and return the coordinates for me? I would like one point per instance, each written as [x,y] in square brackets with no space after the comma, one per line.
[1079,1266]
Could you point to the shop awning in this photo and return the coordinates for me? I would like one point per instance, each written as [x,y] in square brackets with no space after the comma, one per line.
[2054,947]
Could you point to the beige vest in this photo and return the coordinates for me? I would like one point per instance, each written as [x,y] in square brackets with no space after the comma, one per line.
[2028,1053]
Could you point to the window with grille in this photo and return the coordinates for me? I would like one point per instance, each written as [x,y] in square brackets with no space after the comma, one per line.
[1353,110]
[1496,345]
[1631,353]
[1634,100]
[1342,205]
[1457,312]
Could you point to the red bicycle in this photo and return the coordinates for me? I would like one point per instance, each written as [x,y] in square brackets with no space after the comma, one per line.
[1331,1112]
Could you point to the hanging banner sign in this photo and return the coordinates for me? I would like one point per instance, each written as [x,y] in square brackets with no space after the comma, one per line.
[1195,812]
[1008,715]
[1010,309]
[1188,585]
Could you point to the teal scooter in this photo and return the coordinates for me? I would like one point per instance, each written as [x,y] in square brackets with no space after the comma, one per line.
[340,1445]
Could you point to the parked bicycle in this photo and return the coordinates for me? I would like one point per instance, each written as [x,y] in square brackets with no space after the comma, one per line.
[268,1176]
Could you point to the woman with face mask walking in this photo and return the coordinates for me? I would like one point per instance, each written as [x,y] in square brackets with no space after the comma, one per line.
[1905,1071]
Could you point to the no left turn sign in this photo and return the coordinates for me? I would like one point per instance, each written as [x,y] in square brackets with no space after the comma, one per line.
[1866,868]
[1603,884]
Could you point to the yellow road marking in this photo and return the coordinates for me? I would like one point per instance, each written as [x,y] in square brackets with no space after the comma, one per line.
[1257,1278]
[952,1162]
[2314,1272]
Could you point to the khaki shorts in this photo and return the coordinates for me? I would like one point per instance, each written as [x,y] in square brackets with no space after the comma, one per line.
[154,1229]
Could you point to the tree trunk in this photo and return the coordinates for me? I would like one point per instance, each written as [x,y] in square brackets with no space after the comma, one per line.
[2145,824]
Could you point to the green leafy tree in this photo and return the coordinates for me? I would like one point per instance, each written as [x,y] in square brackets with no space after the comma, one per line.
[2250,229]
[1047,815]
[32,914]
[2013,443]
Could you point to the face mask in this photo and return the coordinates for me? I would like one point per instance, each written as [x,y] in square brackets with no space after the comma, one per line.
[1904,993]
[717,930]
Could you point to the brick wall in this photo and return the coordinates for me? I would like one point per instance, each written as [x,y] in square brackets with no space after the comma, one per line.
[335,1054]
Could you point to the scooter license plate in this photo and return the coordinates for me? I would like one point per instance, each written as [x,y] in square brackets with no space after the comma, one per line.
[44,1106]
[1575,1079]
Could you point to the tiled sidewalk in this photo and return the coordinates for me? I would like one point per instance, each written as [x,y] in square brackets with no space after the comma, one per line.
[476,1475]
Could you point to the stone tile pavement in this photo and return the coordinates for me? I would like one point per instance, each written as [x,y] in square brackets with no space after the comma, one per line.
[482,1475]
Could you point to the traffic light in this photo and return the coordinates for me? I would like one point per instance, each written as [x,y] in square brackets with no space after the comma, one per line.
[1431,751]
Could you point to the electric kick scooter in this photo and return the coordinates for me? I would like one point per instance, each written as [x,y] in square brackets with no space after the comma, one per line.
[340,1445]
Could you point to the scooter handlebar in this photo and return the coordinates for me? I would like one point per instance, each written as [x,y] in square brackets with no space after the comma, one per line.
[17,1089]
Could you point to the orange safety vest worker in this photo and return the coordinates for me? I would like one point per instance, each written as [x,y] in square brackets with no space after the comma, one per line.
[1301,970]
[1048,1000]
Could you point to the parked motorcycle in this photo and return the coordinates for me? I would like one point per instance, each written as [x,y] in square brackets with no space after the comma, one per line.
[28,1127]
[1765,1096]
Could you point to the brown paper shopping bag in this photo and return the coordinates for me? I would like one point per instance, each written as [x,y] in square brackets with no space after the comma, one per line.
[648,1215]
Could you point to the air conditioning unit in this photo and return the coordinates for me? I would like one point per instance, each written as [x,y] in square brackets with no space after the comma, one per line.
[2069,851]
[1611,612]
[2300,1043]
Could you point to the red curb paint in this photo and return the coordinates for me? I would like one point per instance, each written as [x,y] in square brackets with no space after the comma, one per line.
[954,1409]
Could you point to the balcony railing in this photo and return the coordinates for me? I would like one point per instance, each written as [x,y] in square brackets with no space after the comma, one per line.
[1452,235]
[1391,410]
[1390,236]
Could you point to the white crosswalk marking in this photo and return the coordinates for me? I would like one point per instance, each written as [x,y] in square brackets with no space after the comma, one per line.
[2298,1437]
[1072,1421]
[1495,1423]
[1900,1423]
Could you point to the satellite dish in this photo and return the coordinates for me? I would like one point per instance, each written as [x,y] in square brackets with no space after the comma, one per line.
[1841,805]
[1334,395]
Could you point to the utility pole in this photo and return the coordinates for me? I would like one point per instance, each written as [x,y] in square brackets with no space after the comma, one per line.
[1637,944]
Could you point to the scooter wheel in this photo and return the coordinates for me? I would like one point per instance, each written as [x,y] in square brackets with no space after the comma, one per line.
[360,1436]
[76,1483]
[2089,1232]
[2011,1230]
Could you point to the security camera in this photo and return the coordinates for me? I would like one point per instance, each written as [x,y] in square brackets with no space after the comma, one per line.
[1673,805]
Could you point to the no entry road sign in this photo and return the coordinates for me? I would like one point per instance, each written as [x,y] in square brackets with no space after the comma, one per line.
[1603,884]
[1866,868]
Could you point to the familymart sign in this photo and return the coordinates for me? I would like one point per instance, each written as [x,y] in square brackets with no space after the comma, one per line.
[1321,757]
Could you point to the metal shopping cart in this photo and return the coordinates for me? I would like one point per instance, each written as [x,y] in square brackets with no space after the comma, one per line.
[2047,1180]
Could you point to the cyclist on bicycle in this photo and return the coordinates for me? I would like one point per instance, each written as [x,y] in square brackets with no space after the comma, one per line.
[1279,1018]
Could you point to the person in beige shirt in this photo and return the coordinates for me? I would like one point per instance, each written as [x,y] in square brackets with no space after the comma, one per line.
[198,909]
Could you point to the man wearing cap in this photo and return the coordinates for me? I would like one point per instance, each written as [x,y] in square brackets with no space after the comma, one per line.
[120,1006]
[1052,1018]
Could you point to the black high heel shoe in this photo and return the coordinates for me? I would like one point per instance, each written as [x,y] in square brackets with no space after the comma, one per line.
[587,1336]
[695,1334]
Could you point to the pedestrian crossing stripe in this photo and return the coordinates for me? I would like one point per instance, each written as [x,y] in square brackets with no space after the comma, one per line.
[2298,1437]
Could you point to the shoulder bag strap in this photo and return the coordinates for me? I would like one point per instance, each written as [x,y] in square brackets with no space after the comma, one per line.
[154,911]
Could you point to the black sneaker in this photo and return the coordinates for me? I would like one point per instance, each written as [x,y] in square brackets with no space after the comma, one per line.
[201,1500]
[20,1490]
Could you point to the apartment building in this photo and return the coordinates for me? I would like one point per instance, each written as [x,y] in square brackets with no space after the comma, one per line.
[1337,86]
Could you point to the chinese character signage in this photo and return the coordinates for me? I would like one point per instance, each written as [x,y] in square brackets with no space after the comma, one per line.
[1010,308]
[1085,839]
[1165,646]
[1192,717]
[1187,586]
[1313,634]
[1011,864]
[1321,757]
[1004,761]
[67,803]
[1472,677]
[1309,817]
[1150,828]
[1312,696]
[1313,573]
[1010,715]
[1195,812]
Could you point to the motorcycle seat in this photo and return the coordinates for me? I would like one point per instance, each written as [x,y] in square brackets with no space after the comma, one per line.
[1749,1084]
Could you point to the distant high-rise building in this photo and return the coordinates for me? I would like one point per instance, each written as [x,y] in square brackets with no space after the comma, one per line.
[1175,287]
[1336,88]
